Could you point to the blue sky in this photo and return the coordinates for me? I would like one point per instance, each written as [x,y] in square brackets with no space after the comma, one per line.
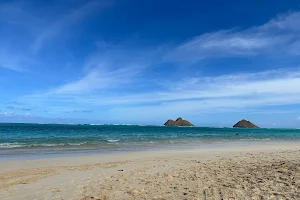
[143,62]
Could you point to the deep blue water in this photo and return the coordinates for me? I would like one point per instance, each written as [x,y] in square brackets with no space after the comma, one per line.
[52,139]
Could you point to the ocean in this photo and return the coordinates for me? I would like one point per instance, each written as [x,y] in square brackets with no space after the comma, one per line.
[24,141]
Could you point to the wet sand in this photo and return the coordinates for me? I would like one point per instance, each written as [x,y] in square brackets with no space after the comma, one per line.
[244,172]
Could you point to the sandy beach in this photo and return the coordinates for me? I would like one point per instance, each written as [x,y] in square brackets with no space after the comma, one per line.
[243,172]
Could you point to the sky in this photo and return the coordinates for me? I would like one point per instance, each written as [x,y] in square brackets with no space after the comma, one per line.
[143,62]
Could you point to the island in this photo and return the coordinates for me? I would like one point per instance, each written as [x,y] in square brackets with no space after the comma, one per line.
[245,124]
[178,122]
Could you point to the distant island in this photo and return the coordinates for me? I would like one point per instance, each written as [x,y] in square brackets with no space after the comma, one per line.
[178,122]
[245,124]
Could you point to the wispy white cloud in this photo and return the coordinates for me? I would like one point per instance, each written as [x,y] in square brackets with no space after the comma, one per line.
[7,114]
[13,114]
[27,29]
[228,93]
[105,72]
[18,13]
[284,22]
[280,35]
[97,79]
[270,85]
[73,17]
[11,62]
[15,60]
[199,107]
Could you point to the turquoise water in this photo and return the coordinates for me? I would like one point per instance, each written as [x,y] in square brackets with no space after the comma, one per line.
[23,140]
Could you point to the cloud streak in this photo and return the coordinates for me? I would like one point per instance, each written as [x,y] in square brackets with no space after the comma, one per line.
[97,79]
[280,35]
[27,31]
[73,17]
[207,94]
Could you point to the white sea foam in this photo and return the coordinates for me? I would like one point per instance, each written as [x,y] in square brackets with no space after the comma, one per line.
[22,145]
[254,139]
[10,145]
[112,141]
[47,145]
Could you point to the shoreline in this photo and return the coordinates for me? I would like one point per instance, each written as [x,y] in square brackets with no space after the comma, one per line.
[25,154]
[85,159]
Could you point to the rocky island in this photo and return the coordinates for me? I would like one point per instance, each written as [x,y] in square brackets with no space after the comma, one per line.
[245,124]
[178,122]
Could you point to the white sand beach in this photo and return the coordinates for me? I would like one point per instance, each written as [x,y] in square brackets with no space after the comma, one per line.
[242,172]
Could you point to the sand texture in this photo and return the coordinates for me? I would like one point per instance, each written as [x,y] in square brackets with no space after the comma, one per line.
[261,172]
